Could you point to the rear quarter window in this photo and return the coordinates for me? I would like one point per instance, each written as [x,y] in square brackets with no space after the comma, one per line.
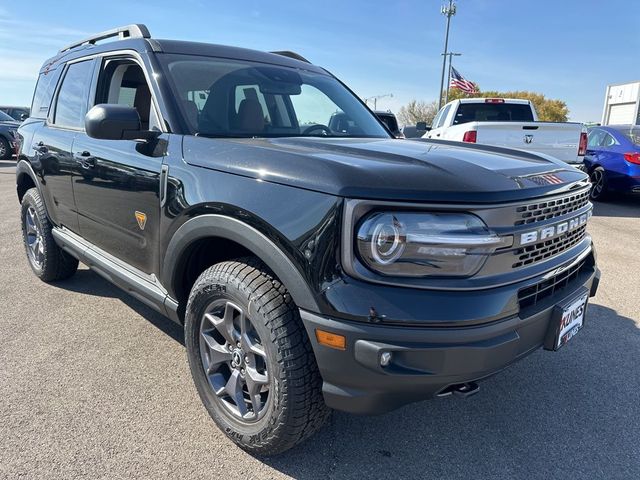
[43,93]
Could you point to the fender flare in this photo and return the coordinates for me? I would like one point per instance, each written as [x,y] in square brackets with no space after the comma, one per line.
[24,168]
[211,225]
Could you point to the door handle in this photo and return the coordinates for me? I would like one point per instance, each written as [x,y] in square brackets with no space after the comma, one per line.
[86,160]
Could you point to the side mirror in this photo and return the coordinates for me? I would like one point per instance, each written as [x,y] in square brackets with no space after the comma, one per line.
[23,117]
[115,122]
[422,126]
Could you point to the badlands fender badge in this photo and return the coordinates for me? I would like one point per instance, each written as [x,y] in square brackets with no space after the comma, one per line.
[142,219]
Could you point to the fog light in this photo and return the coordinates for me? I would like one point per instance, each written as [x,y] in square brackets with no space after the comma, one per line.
[385,359]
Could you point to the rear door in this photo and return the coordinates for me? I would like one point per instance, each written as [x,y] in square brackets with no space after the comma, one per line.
[117,182]
[52,143]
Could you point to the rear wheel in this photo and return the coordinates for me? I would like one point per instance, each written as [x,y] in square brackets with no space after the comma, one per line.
[5,149]
[599,187]
[48,261]
[250,358]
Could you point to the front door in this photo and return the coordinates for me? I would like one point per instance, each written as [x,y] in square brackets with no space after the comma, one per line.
[118,181]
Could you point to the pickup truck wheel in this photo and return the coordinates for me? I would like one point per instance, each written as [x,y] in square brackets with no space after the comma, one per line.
[48,261]
[599,187]
[251,359]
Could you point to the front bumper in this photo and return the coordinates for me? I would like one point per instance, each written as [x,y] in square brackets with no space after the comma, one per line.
[428,360]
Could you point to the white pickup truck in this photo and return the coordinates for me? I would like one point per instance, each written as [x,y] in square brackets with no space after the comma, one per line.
[509,123]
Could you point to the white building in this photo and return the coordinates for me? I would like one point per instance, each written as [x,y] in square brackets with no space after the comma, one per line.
[621,104]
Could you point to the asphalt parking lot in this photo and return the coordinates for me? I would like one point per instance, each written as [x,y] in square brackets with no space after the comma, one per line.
[93,384]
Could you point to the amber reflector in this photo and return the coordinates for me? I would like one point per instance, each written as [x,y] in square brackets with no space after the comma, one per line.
[332,340]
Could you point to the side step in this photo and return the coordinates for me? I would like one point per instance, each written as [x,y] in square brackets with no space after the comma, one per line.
[138,284]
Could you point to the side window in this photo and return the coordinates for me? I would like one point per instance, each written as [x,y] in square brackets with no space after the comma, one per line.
[595,137]
[122,82]
[436,119]
[443,116]
[43,93]
[71,103]
[608,140]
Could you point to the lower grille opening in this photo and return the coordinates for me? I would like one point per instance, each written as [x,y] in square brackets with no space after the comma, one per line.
[530,296]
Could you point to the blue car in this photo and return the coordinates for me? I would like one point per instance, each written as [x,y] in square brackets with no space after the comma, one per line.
[613,160]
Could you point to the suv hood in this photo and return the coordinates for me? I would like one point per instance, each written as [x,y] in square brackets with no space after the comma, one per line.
[388,169]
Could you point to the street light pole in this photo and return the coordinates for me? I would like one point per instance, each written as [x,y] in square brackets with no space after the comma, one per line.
[448,11]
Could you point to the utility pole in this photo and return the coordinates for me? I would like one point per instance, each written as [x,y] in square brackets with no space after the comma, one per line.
[375,99]
[448,11]
[449,54]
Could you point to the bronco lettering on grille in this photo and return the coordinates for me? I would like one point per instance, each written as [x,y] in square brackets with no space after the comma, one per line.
[554,230]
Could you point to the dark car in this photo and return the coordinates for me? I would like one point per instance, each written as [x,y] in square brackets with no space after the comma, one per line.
[8,136]
[17,113]
[314,261]
[613,160]
[390,121]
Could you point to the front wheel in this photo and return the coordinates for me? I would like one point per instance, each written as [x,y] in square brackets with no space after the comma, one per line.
[251,359]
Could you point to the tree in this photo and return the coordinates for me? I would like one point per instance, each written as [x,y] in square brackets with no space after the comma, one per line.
[549,110]
[417,111]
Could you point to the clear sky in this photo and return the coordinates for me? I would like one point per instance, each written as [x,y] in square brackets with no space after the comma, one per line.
[566,49]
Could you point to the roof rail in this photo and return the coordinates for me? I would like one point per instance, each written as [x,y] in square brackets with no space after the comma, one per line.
[137,30]
[294,55]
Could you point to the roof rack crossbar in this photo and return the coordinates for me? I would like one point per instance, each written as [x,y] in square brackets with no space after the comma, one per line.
[294,55]
[137,30]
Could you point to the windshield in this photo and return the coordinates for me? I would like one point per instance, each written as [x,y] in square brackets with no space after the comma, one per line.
[493,112]
[5,118]
[229,98]
[632,134]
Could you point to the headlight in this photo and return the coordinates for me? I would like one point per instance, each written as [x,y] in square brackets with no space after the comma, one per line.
[411,244]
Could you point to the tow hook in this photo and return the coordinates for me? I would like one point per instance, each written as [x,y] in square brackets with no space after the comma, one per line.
[463,390]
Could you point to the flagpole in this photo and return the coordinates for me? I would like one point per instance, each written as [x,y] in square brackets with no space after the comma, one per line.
[451,55]
[448,11]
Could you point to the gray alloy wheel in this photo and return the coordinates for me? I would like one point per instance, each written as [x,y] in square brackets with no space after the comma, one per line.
[47,260]
[251,359]
[598,179]
[234,360]
[35,242]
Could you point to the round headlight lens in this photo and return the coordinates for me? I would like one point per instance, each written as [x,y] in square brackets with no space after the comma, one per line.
[387,240]
[421,244]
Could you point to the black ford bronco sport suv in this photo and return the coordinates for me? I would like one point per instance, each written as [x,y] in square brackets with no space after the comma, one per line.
[313,268]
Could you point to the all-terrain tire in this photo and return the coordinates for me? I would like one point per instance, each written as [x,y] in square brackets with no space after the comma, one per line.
[52,263]
[295,408]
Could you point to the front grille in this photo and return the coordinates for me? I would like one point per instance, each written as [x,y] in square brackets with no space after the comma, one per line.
[528,297]
[546,210]
[548,248]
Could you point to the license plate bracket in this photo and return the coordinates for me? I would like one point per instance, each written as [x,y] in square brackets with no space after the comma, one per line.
[567,318]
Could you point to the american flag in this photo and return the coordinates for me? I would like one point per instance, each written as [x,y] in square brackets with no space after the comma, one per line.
[458,81]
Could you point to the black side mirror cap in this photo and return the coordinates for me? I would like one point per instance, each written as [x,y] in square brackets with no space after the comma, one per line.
[115,122]
[422,126]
